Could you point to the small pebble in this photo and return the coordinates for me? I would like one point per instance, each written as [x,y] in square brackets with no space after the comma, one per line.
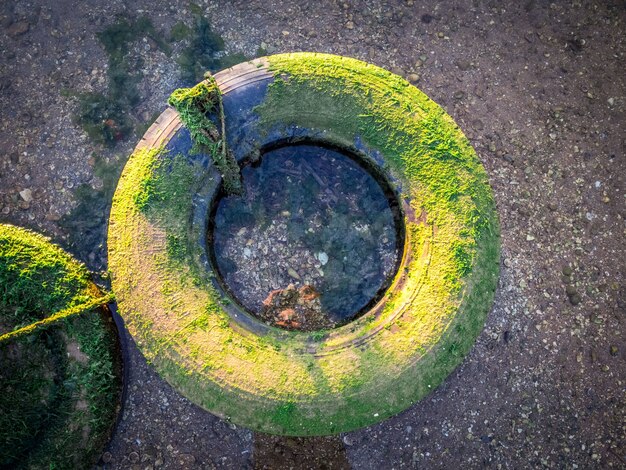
[463,65]
[575,299]
[397,71]
[18,28]
[348,440]
[413,77]
[27,195]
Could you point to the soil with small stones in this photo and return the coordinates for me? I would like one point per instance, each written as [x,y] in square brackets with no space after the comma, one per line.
[539,90]
[309,216]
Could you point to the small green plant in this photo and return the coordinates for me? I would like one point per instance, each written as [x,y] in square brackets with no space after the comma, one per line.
[194,105]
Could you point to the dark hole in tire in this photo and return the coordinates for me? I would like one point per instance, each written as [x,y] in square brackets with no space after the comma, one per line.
[314,242]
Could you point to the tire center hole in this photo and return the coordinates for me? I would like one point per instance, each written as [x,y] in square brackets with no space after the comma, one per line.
[314,241]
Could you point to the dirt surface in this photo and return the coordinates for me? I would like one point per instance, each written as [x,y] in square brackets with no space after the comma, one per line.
[539,89]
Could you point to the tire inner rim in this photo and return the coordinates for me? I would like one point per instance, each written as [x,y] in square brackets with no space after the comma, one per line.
[314,241]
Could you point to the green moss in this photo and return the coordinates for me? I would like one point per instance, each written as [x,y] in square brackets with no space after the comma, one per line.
[180,31]
[421,144]
[205,50]
[195,105]
[106,117]
[293,382]
[27,393]
[37,280]
[117,37]
[58,387]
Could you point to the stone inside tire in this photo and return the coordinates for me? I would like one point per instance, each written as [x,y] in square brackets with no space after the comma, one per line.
[331,381]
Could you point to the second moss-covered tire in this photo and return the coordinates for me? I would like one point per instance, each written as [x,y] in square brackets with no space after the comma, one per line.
[60,361]
[289,382]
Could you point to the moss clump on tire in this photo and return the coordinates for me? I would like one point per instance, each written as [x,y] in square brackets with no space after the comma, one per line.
[290,382]
[60,379]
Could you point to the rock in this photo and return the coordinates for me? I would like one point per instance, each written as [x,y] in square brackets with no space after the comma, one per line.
[27,195]
[350,25]
[459,95]
[575,299]
[322,257]
[348,440]
[508,158]
[567,271]
[463,65]
[413,77]
[186,460]
[506,336]
[18,28]
[530,238]
[292,272]
[613,350]
[570,290]
[440,35]
[397,71]
[5,83]
[293,308]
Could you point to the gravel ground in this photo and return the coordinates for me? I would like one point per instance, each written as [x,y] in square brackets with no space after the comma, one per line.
[538,87]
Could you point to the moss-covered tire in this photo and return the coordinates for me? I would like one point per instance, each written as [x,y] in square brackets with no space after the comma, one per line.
[60,381]
[289,382]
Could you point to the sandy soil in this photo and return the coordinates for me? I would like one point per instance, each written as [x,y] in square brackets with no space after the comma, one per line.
[538,87]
